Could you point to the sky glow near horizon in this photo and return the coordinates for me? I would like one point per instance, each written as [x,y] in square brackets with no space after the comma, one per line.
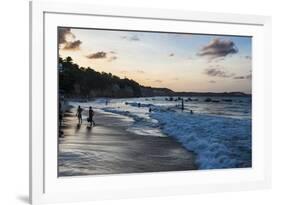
[181,62]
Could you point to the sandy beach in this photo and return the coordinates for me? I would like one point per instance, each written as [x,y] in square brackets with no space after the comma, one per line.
[108,148]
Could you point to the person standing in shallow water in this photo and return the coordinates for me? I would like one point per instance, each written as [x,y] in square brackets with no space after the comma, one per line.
[91,115]
[79,114]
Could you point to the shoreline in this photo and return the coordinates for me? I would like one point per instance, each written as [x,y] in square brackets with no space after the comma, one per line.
[108,148]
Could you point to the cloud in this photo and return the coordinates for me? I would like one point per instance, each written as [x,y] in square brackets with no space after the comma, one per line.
[140,71]
[134,38]
[214,72]
[68,44]
[97,55]
[112,58]
[239,77]
[218,48]
[131,38]
[248,76]
[73,45]
[102,55]
[124,71]
[158,81]
[63,33]
[212,81]
[248,57]
[218,71]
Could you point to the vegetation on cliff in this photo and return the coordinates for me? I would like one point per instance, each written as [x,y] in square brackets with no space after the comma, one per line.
[78,81]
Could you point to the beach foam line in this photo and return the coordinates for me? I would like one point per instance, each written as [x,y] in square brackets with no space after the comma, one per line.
[142,125]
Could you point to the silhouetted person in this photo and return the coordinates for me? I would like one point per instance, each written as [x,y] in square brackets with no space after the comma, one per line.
[60,114]
[191,112]
[91,115]
[150,109]
[79,114]
[60,119]
[182,104]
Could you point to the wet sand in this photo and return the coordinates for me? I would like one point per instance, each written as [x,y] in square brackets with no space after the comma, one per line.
[108,148]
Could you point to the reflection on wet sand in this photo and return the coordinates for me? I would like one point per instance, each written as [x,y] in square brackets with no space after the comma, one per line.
[107,148]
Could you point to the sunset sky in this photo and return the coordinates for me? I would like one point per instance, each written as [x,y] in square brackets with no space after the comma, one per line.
[181,62]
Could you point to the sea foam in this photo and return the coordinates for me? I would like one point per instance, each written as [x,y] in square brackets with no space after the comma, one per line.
[218,142]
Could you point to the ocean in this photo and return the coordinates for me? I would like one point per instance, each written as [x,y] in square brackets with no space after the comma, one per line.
[217,131]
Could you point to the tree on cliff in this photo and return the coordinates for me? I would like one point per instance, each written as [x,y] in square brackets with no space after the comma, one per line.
[78,81]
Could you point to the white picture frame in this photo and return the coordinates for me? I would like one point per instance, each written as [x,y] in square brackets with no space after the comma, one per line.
[46,187]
